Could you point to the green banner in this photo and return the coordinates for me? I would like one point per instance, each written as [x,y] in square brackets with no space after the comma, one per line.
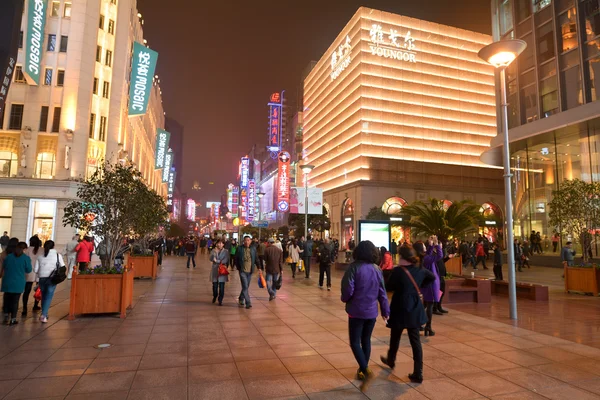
[36,21]
[167,166]
[143,65]
[162,145]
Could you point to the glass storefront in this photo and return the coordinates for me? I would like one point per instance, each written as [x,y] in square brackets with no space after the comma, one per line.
[42,215]
[347,222]
[6,207]
[393,207]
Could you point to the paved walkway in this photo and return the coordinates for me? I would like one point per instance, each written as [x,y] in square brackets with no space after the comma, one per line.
[175,344]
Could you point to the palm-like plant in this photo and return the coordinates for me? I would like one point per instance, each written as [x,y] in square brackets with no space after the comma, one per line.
[435,218]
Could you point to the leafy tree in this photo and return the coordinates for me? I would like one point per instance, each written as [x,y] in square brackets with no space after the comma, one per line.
[283,230]
[377,214]
[433,218]
[575,210]
[115,203]
[319,223]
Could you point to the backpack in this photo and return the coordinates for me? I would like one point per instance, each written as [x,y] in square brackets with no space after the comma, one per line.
[189,247]
[59,274]
[325,257]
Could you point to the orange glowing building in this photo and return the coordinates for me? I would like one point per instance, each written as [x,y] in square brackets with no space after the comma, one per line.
[398,110]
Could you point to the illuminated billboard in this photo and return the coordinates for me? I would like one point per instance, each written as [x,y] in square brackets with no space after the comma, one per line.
[283,182]
[275,121]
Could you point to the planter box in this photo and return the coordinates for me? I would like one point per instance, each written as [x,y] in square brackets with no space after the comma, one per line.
[143,266]
[467,290]
[454,266]
[582,280]
[101,294]
[529,291]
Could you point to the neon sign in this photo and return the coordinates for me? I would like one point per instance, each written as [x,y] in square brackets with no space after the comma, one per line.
[275,121]
[235,201]
[244,172]
[340,59]
[162,144]
[251,200]
[401,48]
[283,182]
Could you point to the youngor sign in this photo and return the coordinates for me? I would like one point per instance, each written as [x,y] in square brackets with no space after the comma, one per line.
[143,65]
[36,21]
[167,166]
[283,182]
[251,200]
[341,58]
[162,146]
[392,45]
[11,12]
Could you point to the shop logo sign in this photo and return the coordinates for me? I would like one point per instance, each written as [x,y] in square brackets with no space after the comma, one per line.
[340,59]
[392,45]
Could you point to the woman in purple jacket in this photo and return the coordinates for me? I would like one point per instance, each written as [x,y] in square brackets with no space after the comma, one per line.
[431,294]
[362,289]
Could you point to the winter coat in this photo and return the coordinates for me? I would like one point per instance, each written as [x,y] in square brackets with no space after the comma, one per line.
[239,258]
[84,251]
[44,266]
[294,253]
[273,260]
[406,310]
[217,259]
[480,252]
[15,269]
[386,262]
[362,289]
[432,292]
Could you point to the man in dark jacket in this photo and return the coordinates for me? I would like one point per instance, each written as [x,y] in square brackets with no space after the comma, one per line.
[497,262]
[326,257]
[308,250]
[190,251]
[273,264]
[246,262]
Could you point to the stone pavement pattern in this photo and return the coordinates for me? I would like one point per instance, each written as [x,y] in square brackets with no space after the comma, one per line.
[175,344]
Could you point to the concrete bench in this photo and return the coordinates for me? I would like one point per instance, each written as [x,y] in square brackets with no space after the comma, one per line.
[529,291]
[467,290]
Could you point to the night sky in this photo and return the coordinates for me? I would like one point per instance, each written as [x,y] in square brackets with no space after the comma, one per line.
[220,60]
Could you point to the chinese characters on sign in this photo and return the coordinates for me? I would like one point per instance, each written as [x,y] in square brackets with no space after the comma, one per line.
[167,165]
[392,45]
[244,203]
[340,59]
[170,188]
[283,182]
[5,83]
[274,126]
[142,75]
[235,201]
[244,172]
[11,12]
[251,200]
[162,144]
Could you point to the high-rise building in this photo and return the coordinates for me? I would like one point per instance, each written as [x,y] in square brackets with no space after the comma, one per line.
[397,110]
[553,92]
[57,133]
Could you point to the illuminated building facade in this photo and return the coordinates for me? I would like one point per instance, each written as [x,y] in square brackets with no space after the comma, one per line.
[399,108]
[553,94]
[57,133]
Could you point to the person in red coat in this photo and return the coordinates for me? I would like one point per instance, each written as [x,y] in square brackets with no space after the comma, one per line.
[84,252]
[480,254]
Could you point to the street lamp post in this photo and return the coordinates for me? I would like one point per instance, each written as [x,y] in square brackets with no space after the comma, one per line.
[260,196]
[501,54]
[306,170]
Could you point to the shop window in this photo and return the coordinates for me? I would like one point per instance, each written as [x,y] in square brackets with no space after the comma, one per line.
[15,120]
[42,215]
[571,91]
[523,9]
[6,207]
[545,44]
[45,166]
[8,164]
[506,20]
[568,30]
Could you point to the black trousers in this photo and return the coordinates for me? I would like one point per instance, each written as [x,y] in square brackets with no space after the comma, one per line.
[325,269]
[498,272]
[429,311]
[219,290]
[415,343]
[26,294]
[307,266]
[480,259]
[11,304]
[82,266]
[293,266]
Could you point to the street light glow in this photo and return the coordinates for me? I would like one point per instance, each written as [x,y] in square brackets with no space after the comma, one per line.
[307,168]
[501,54]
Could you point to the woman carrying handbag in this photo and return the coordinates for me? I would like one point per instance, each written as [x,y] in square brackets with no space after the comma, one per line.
[45,266]
[219,273]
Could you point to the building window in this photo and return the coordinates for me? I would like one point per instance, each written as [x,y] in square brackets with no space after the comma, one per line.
[549,94]
[591,10]
[51,43]
[539,5]
[45,165]
[105,89]
[571,90]
[6,207]
[525,60]
[545,44]
[55,9]
[95,88]
[568,30]
[594,70]
[113,1]
[44,119]
[64,41]
[67,13]
[92,133]
[101,22]
[99,53]
[523,9]
[111,26]
[48,77]
[56,119]
[60,77]
[529,110]
[8,166]
[108,60]
[19,77]
[15,119]
[102,132]
[42,215]
[21,39]
[506,20]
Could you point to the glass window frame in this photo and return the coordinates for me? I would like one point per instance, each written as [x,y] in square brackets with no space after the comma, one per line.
[60,77]
[31,217]
[13,164]
[64,43]
[51,45]
[48,75]
[41,163]
[13,116]
[43,126]
[67,9]
[56,119]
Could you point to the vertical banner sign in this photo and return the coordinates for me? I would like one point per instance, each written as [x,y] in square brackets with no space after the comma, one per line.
[275,121]
[162,144]
[235,201]
[244,172]
[11,12]
[243,208]
[230,197]
[36,21]
[251,200]
[143,65]
[315,201]
[171,190]
[167,166]
[283,182]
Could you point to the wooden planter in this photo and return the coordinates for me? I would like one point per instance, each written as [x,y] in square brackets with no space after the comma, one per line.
[101,294]
[582,280]
[454,266]
[467,290]
[143,266]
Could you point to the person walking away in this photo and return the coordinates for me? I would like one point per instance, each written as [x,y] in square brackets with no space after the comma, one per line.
[441,268]
[325,260]
[260,252]
[203,243]
[71,255]
[567,254]
[394,250]
[431,294]
[232,252]
[308,251]
[4,240]
[273,264]
[527,252]
[246,260]
[15,267]
[102,251]
[294,252]
[362,289]
[497,263]
[406,310]
[190,251]
[33,251]
[518,255]
[480,254]
[555,240]
[465,255]
[44,267]
[84,251]
[218,256]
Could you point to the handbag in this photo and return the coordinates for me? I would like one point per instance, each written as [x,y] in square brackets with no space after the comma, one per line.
[414,283]
[300,265]
[262,283]
[37,296]
[59,274]
[289,260]
[223,271]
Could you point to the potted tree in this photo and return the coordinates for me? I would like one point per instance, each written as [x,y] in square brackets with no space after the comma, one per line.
[575,210]
[108,207]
